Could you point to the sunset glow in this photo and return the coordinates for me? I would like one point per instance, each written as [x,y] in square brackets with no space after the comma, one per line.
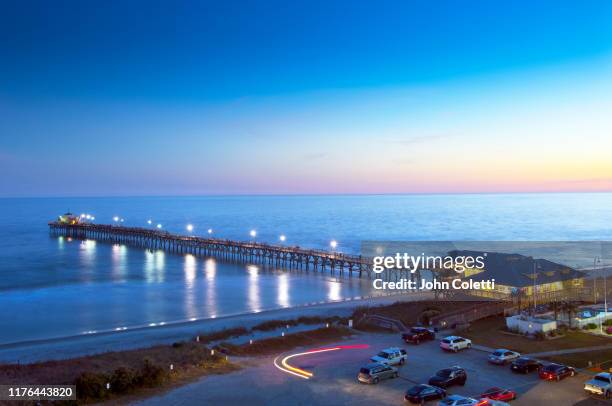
[386,100]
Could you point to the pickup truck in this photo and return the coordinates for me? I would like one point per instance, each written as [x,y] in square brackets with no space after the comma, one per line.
[601,385]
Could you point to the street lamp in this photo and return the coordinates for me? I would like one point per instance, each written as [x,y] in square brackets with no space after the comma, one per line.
[534,288]
[116,219]
[596,261]
[253,233]
[149,222]
[210,231]
[333,244]
[189,228]
[282,238]
[159,226]
[605,269]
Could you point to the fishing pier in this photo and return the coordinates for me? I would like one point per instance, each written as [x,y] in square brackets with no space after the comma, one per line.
[279,256]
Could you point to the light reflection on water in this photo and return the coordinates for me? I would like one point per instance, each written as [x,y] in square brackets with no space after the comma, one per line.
[118,261]
[253,290]
[334,291]
[88,252]
[210,272]
[154,266]
[190,270]
[87,259]
[283,290]
[190,265]
[129,287]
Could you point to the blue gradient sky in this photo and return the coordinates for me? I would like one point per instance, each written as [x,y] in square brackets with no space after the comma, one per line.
[133,98]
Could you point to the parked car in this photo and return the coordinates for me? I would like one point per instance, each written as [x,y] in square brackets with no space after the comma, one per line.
[423,393]
[601,385]
[458,400]
[374,373]
[525,365]
[503,356]
[556,372]
[418,334]
[448,377]
[391,356]
[496,393]
[455,343]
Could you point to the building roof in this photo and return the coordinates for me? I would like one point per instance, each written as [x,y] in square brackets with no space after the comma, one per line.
[518,270]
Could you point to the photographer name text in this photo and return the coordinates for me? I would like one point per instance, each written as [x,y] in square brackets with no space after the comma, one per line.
[435,284]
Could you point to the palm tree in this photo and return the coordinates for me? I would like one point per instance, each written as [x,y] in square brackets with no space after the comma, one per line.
[555,306]
[518,294]
[570,308]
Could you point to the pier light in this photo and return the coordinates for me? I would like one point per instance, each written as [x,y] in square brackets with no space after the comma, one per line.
[116,219]
[149,222]
[333,244]
[282,237]
[121,220]
[92,218]
[210,231]
[253,233]
[189,227]
[159,226]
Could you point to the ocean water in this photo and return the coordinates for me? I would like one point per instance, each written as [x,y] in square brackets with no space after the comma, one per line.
[53,287]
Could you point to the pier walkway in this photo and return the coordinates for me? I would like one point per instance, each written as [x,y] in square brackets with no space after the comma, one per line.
[237,251]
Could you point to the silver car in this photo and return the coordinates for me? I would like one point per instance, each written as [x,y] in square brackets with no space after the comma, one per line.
[391,356]
[374,373]
[503,356]
[458,400]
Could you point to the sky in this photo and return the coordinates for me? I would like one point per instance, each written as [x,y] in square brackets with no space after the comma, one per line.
[276,97]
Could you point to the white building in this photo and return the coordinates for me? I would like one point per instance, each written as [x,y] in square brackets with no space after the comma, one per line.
[530,325]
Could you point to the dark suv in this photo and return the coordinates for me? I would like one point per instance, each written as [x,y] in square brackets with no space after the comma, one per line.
[418,334]
[448,377]
[525,365]
[556,372]
[424,393]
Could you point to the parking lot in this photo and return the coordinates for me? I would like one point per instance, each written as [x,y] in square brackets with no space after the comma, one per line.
[334,379]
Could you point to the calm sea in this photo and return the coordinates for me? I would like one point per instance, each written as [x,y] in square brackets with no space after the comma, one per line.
[52,287]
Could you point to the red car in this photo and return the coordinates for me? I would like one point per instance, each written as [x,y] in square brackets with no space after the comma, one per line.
[496,393]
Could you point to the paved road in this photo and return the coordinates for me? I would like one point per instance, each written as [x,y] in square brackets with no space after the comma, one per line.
[334,381]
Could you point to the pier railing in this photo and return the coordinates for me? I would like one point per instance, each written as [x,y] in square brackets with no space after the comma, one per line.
[224,249]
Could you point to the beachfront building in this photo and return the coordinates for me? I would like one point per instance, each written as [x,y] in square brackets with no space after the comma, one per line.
[518,276]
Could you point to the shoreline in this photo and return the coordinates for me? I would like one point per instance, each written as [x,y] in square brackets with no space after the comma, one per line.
[180,322]
[146,336]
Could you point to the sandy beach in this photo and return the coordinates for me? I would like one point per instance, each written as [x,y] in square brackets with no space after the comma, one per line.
[77,346]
